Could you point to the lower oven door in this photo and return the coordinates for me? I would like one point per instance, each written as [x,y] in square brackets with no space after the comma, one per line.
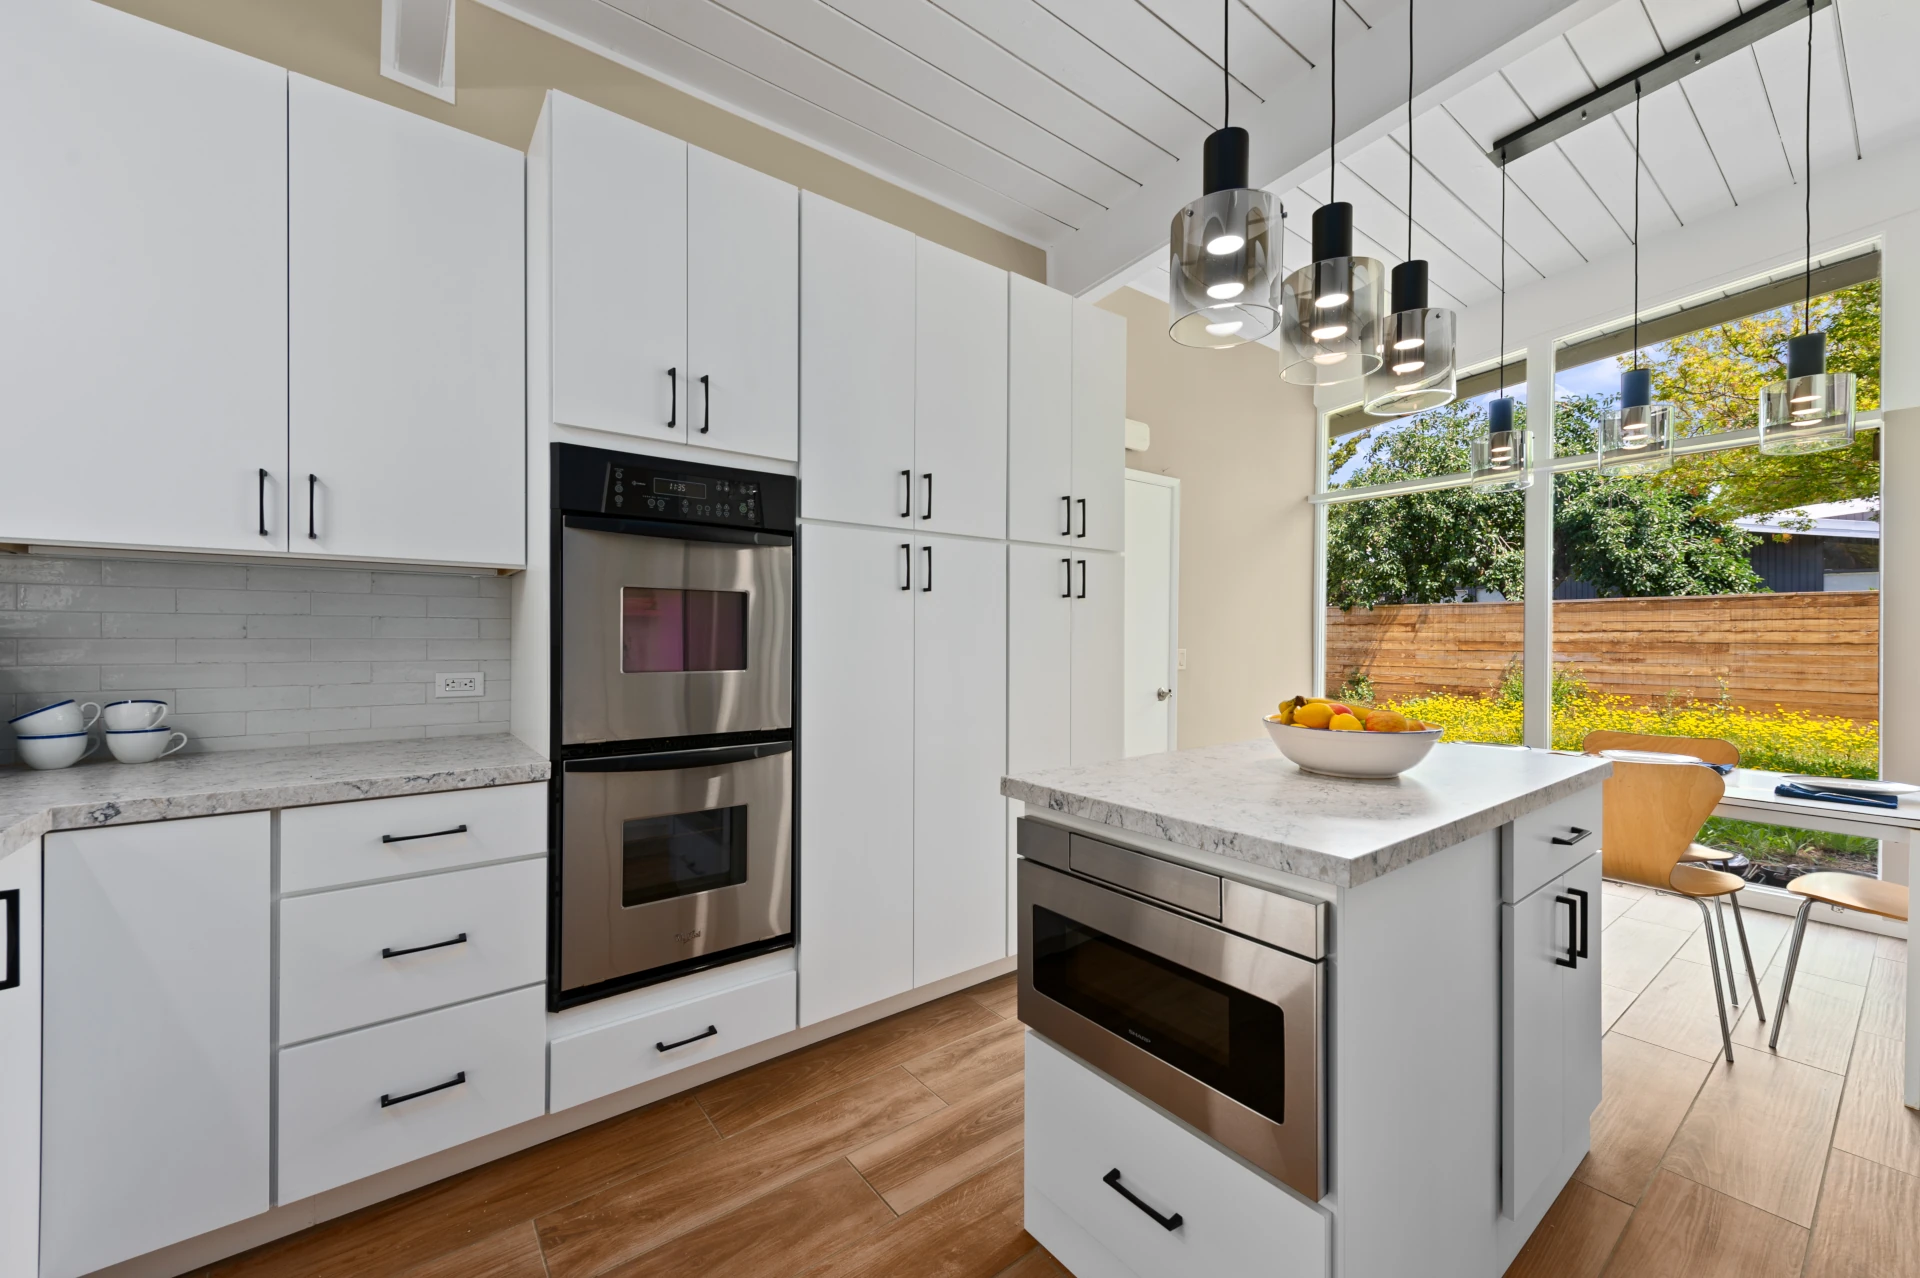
[1219,1030]
[673,856]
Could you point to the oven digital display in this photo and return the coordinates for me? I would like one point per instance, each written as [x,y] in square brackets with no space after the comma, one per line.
[679,488]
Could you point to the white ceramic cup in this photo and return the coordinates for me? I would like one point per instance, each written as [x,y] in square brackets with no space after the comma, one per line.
[129,716]
[60,719]
[144,745]
[59,751]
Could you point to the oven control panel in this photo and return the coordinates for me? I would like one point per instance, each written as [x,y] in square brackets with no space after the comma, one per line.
[705,499]
[601,482]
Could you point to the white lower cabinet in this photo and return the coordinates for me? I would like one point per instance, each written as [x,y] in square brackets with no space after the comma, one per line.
[1087,1140]
[359,1103]
[336,844]
[1066,624]
[158,1036]
[20,1061]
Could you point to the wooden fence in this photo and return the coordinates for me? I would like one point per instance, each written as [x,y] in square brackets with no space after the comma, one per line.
[1817,651]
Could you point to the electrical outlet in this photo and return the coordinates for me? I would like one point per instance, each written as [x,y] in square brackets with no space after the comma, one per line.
[1181,655]
[473,684]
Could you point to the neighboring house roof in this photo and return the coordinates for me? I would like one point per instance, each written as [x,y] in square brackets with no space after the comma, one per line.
[1857,520]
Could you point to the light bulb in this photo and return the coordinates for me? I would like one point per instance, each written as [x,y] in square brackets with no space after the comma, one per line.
[1806,412]
[1332,299]
[1411,366]
[1223,329]
[1329,357]
[1409,343]
[1221,245]
[1222,291]
[1807,398]
[1329,333]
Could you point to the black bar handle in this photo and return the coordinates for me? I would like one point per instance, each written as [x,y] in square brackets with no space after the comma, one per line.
[1573,932]
[387,1101]
[1582,894]
[906,563]
[672,760]
[263,502]
[1083,517]
[1578,835]
[1083,580]
[927,588]
[708,1032]
[1066,591]
[706,403]
[11,899]
[673,398]
[1066,514]
[313,481]
[430,834]
[1168,1223]
[928,512]
[421,949]
[906,494]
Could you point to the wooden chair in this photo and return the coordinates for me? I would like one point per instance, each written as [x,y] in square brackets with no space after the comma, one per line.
[1849,892]
[1652,812]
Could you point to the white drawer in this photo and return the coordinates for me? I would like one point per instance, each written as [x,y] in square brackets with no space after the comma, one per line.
[607,1058]
[333,1127]
[335,969]
[1529,856]
[1234,1221]
[343,843]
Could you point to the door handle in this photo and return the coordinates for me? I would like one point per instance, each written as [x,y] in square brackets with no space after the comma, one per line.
[1582,894]
[673,398]
[1066,591]
[1161,694]
[430,834]
[1577,835]
[422,949]
[1573,932]
[928,513]
[1083,580]
[906,565]
[708,1032]
[1083,517]
[313,482]
[387,1102]
[927,587]
[906,494]
[706,403]
[1066,516]
[263,502]
[11,899]
[1168,1223]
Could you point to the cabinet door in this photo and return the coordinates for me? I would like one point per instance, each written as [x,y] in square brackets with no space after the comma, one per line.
[960,394]
[959,756]
[143,318]
[618,209]
[20,1061]
[1099,657]
[743,308]
[1099,428]
[1581,994]
[158,1030]
[1534,935]
[1039,413]
[856,366]
[407,296]
[1040,612]
[855,870]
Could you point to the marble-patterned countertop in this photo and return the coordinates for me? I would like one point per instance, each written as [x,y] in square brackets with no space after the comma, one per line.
[108,793]
[1245,802]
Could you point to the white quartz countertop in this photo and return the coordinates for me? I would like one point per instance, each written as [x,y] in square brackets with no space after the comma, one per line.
[1244,801]
[99,793]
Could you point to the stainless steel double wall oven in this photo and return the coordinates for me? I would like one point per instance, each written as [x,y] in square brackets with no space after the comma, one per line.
[673,714]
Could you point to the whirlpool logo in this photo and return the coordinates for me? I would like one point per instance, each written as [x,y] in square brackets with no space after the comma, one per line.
[688,938]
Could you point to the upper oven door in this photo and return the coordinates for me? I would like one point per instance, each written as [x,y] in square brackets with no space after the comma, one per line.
[672,637]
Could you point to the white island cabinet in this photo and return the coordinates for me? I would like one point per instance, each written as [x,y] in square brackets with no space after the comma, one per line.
[20,1061]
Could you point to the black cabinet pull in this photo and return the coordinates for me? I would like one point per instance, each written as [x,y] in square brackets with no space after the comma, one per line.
[927,587]
[673,398]
[1573,932]
[421,949]
[430,834]
[906,494]
[708,1032]
[386,1101]
[1578,835]
[1066,516]
[1582,894]
[263,502]
[1066,591]
[706,403]
[313,481]
[1083,518]
[906,566]
[11,899]
[928,513]
[1168,1223]
[1083,580]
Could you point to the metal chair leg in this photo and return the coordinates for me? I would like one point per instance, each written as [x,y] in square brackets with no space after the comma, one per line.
[1786,980]
[1719,997]
[1726,951]
[1753,979]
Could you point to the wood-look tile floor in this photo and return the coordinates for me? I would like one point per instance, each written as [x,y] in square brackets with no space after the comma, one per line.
[1796,1163]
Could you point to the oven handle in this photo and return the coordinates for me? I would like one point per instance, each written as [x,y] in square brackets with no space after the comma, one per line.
[668,760]
[678,532]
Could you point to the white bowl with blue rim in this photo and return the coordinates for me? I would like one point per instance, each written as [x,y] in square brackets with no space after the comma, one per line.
[62,718]
[61,750]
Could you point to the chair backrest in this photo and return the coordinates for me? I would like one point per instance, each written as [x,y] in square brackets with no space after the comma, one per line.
[1652,813]
[1705,749]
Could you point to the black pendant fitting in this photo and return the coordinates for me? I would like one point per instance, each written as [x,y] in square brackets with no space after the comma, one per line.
[1807,355]
[1225,160]
[1332,231]
[1410,286]
[1636,388]
[1500,414]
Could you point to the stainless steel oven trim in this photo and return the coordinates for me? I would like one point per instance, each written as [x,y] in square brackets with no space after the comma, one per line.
[1292,1150]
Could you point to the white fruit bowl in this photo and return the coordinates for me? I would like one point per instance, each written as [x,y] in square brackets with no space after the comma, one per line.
[1366,756]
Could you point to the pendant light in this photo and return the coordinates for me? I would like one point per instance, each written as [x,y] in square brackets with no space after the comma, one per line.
[1220,265]
[1503,457]
[1330,308]
[1415,342]
[1636,438]
[1812,410]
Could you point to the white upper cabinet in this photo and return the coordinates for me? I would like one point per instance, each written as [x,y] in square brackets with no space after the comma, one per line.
[143,315]
[960,394]
[617,212]
[1039,412]
[406,310]
[856,367]
[1099,428]
[743,309]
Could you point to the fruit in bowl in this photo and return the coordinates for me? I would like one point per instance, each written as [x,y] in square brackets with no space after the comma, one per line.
[1345,739]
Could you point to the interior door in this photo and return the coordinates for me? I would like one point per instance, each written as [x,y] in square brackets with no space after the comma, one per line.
[856,366]
[1150,684]
[959,755]
[1534,937]
[1039,412]
[743,308]
[1099,627]
[960,394]
[407,303]
[618,208]
[1099,427]
[143,249]
[855,854]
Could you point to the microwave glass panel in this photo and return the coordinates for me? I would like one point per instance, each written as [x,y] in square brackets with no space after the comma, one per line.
[682,854]
[664,630]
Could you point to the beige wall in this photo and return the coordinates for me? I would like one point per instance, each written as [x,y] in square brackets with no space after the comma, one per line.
[1240,441]
[503,69]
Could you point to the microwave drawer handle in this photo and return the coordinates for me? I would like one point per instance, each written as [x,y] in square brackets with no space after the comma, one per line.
[388,1102]
[1168,1223]
[430,834]
[1574,835]
[708,1032]
[668,760]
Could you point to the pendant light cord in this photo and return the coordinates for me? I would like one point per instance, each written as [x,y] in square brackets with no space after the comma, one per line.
[1502,354]
[1409,130]
[1226,51]
[1636,224]
[1806,178]
[1333,96]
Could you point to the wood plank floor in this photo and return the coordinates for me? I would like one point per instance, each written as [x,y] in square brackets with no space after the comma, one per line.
[895,1149]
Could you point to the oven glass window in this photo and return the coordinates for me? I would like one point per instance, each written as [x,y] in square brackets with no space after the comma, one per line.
[676,630]
[1226,1038]
[679,855]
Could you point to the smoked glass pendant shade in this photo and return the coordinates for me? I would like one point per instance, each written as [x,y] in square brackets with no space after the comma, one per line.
[1811,411]
[1330,309]
[1503,457]
[1221,261]
[1415,346]
[1636,438]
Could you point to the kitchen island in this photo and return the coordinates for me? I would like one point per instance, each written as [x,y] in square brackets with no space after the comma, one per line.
[1292,1025]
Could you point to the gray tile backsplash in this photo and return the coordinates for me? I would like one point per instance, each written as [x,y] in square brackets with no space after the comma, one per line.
[254,655]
